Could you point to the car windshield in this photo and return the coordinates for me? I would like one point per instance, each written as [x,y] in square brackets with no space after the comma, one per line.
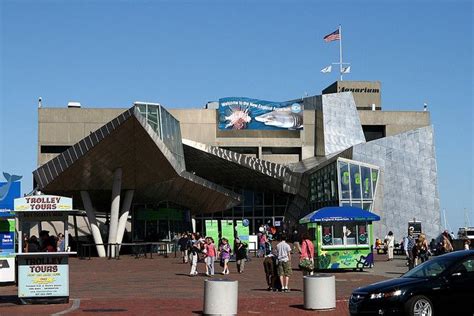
[429,269]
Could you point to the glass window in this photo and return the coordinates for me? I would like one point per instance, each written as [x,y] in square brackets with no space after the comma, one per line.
[350,233]
[238,211]
[431,268]
[355,182]
[268,198]
[228,213]
[467,267]
[258,198]
[258,211]
[362,235]
[375,175]
[366,206]
[344,179]
[327,234]
[280,199]
[248,198]
[366,183]
[269,211]
[338,234]
[357,204]
[248,211]
[280,210]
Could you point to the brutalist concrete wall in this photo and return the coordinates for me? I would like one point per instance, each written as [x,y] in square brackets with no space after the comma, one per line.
[408,186]
[341,123]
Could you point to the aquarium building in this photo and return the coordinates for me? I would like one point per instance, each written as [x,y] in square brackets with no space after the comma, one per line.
[241,158]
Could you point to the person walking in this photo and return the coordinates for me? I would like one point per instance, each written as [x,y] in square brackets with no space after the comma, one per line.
[225,252]
[408,244]
[262,239]
[446,243]
[240,255]
[194,253]
[210,256]
[390,243]
[307,255]
[183,247]
[271,271]
[284,263]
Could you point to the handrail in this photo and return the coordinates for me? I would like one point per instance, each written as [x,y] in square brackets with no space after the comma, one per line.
[147,247]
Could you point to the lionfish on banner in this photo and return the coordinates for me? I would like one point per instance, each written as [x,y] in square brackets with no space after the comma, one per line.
[239,118]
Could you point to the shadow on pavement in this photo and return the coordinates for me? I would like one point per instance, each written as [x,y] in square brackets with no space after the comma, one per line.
[104,310]
[298,306]
[9,299]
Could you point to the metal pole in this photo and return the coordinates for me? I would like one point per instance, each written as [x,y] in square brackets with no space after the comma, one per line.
[340,50]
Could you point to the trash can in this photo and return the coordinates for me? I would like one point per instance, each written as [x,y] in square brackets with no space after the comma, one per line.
[319,291]
[220,297]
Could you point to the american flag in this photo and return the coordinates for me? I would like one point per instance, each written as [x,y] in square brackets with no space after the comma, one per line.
[334,36]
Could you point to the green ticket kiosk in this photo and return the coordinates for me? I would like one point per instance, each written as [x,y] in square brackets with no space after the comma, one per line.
[342,237]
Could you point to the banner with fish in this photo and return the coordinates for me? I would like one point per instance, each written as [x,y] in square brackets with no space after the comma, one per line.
[244,113]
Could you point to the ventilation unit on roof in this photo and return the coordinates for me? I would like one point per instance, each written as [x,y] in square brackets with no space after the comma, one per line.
[73,104]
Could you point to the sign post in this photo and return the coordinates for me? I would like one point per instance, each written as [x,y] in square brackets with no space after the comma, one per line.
[43,277]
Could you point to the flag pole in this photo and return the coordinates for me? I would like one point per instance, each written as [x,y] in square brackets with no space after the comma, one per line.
[340,50]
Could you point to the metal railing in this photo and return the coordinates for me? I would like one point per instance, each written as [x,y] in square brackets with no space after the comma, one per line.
[137,248]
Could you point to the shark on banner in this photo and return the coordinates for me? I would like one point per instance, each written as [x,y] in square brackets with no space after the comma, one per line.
[240,113]
[4,189]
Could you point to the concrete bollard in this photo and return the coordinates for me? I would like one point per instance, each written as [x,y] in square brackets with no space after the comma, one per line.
[319,291]
[220,297]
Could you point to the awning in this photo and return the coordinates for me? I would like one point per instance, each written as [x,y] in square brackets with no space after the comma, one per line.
[340,214]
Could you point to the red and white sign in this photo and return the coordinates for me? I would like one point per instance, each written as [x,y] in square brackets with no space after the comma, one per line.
[39,203]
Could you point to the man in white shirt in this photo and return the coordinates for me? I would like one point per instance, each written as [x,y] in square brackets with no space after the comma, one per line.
[284,263]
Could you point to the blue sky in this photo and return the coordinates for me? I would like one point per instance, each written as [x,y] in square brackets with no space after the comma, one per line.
[182,54]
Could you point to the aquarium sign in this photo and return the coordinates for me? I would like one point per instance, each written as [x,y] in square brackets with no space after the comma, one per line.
[239,113]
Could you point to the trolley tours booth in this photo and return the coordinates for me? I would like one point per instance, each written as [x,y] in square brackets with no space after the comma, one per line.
[342,237]
[43,277]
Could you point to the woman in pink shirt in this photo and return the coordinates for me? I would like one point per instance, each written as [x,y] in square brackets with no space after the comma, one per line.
[307,251]
[210,256]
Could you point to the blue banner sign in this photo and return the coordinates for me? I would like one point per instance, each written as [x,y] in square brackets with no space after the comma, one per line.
[252,114]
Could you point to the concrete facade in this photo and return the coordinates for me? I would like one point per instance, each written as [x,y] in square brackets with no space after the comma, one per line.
[66,126]
[259,161]
[366,93]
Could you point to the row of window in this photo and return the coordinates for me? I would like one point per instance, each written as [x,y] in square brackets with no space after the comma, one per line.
[345,234]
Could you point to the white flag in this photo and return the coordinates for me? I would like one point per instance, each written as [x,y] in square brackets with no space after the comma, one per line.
[327,69]
[346,70]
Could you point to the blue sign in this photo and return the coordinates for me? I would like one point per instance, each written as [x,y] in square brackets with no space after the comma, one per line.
[9,191]
[7,236]
[252,114]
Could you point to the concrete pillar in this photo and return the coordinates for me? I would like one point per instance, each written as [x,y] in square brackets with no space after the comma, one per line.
[319,291]
[114,210]
[86,200]
[221,297]
[124,211]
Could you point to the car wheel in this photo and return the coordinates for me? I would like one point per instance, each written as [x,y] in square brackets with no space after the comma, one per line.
[419,306]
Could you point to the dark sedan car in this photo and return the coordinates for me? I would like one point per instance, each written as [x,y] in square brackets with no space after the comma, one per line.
[443,285]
